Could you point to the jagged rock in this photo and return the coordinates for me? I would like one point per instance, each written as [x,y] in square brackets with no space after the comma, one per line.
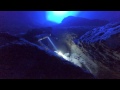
[102,46]
[20,59]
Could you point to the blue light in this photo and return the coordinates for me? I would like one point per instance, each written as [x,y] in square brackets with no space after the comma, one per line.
[58,16]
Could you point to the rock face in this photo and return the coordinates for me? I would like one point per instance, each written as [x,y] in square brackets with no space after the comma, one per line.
[79,21]
[102,47]
[20,59]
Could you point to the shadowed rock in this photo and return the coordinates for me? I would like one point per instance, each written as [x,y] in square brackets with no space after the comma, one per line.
[20,59]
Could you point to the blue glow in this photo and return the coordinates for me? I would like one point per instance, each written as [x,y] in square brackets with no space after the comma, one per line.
[58,16]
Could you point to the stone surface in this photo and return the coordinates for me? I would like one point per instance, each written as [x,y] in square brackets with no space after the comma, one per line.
[102,47]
